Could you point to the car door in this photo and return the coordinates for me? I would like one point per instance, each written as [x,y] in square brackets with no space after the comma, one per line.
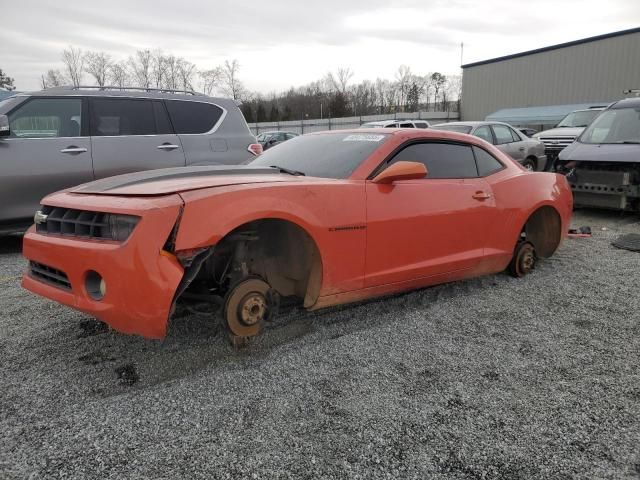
[431,226]
[505,141]
[47,150]
[130,135]
[205,138]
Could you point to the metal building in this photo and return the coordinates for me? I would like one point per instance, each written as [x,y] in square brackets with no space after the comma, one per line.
[591,70]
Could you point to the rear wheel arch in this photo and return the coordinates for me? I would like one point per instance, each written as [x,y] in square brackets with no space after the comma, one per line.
[543,228]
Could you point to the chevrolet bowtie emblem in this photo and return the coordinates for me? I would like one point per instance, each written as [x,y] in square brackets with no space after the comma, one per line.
[39,218]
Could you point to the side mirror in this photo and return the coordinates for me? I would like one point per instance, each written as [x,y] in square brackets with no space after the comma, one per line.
[401,171]
[4,126]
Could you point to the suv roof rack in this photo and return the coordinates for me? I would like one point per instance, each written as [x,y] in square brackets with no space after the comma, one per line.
[142,89]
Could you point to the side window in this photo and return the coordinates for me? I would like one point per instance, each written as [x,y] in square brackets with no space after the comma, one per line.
[193,117]
[487,163]
[484,133]
[514,134]
[391,125]
[47,118]
[406,125]
[420,125]
[503,134]
[443,160]
[120,116]
[163,126]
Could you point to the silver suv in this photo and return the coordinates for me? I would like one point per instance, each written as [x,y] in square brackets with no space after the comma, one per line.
[59,138]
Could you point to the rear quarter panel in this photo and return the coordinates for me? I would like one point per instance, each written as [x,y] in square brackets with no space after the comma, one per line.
[517,197]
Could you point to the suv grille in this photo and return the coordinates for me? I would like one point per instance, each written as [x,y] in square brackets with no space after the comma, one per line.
[555,144]
[50,275]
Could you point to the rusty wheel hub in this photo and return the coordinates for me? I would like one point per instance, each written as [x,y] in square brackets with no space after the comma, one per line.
[246,307]
[253,308]
[526,259]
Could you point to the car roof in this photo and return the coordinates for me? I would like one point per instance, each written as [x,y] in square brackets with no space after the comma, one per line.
[132,92]
[475,123]
[627,103]
[278,131]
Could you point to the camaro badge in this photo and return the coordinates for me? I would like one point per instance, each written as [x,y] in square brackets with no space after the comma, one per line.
[39,218]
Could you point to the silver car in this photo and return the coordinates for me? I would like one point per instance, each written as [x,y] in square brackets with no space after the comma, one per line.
[398,123]
[59,138]
[527,151]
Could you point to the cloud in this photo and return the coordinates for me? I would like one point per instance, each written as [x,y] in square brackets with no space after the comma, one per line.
[289,42]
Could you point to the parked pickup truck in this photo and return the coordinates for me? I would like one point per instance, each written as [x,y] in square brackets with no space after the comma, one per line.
[565,132]
[603,165]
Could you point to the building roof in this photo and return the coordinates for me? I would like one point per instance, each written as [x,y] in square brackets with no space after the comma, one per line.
[549,114]
[555,47]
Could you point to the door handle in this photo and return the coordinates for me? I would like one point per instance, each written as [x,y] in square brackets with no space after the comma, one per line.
[167,146]
[521,149]
[481,196]
[73,149]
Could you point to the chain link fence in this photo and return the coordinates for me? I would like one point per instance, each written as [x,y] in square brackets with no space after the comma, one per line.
[320,124]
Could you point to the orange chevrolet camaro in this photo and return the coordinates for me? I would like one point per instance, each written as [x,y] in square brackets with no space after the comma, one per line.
[323,219]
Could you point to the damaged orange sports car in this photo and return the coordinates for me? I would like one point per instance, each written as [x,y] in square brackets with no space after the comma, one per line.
[323,219]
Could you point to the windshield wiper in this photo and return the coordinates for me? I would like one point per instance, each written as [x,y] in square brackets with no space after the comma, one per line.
[296,173]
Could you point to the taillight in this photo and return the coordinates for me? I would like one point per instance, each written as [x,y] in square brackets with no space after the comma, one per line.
[255,148]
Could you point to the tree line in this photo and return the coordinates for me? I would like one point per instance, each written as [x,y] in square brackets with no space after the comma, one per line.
[332,96]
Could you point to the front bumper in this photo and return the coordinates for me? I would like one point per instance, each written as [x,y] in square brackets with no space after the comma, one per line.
[141,279]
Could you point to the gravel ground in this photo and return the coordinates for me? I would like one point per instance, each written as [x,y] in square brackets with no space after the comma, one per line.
[488,378]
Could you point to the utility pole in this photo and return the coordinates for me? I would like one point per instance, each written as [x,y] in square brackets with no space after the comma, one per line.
[461,53]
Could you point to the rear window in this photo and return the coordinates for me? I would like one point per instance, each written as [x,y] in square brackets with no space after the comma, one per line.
[193,117]
[453,128]
[487,163]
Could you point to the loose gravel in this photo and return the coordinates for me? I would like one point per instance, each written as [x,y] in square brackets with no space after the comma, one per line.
[488,378]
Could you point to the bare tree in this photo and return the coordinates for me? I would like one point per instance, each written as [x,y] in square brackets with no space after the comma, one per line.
[403,79]
[438,81]
[141,68]
[73,61]
[210,80]
[6,81]
[119,74]
[186,73]
[158,67]
[171,75]
[98,64]
[53,78]
[340,80]
[231,84]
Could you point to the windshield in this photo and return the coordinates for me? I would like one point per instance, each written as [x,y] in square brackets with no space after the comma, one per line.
[328,155]
[453,128]
[620,125]
[578,119]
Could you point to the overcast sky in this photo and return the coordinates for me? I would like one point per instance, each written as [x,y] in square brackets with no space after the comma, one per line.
[293,42]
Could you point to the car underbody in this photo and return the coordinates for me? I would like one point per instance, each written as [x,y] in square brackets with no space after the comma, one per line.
[610,185]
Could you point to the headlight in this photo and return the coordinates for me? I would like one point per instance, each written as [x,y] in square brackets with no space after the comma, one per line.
[121,226]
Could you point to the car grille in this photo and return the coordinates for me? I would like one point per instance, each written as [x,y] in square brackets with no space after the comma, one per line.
[77,223]
[555,144]
[50,275]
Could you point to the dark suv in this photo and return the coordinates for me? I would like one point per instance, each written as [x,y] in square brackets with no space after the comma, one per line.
[58,138]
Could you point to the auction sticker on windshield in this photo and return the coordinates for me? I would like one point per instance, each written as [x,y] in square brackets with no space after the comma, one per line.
[361,137]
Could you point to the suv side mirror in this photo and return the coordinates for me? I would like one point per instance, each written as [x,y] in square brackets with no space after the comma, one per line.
[4,126]
[401,171]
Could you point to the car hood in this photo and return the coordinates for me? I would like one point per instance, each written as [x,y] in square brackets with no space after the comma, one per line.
[560,132]
[602,152]
[173,180]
